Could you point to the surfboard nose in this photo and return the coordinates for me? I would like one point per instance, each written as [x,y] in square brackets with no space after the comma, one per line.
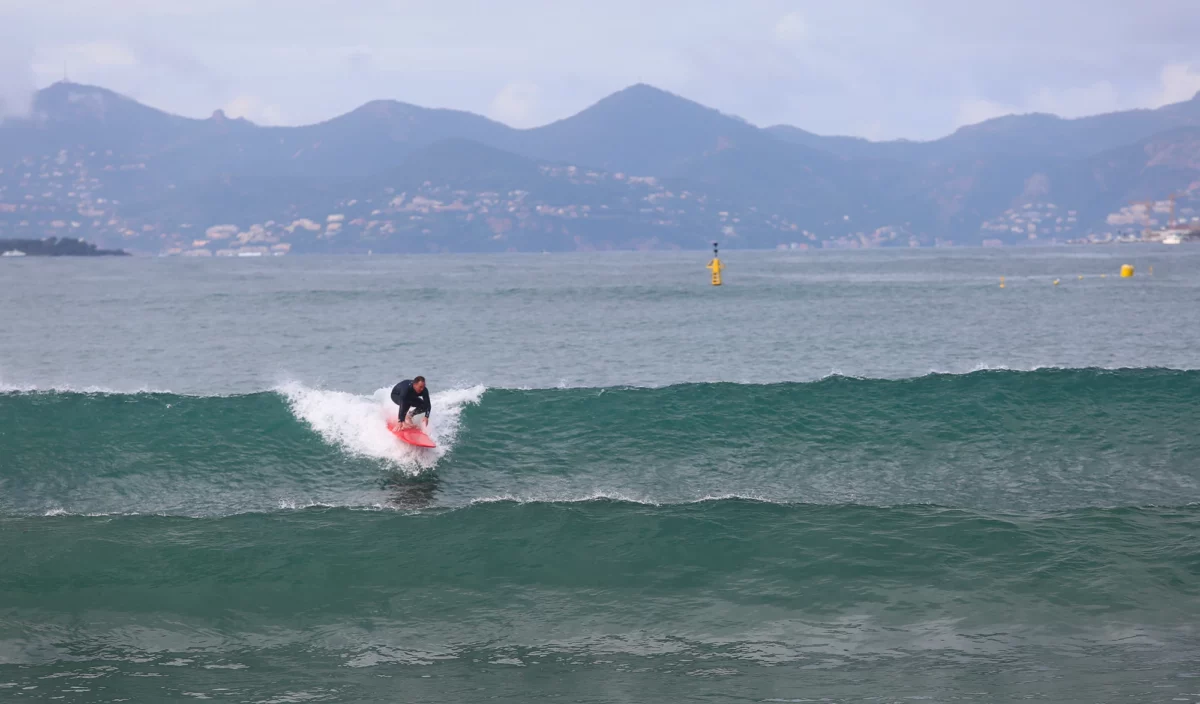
[412,436]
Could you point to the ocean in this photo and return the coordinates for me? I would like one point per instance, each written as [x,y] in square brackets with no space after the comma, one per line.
[863,476]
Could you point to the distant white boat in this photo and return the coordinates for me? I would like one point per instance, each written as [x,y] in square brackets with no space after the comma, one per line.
[249,254]
[12,253]
[1174,235]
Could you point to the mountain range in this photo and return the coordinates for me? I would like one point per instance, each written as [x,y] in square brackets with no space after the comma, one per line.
[641,168]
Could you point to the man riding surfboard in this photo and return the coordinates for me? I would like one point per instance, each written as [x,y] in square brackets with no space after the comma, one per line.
[412,397]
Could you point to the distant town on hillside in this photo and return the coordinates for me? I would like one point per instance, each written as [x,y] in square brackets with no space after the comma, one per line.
[640,169]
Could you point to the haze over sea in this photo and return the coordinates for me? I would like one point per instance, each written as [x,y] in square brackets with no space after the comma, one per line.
[842,476]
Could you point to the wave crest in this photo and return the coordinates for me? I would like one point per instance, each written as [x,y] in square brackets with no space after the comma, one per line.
[358,424]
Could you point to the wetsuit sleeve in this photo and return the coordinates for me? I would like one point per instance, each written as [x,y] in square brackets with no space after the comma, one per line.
[428,407]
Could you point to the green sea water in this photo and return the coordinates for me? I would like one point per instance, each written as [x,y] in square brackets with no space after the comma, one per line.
[845,477]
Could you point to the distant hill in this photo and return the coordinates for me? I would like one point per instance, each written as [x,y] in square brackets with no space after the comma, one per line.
[642,168]
[55,247]
[1035,134]
[640,130]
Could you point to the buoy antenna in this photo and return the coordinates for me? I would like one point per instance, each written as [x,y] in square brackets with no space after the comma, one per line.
[715,267]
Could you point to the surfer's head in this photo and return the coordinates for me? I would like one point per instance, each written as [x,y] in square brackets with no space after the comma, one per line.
[419,384]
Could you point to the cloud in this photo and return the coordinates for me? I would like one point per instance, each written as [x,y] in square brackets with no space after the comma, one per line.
[100,54]
[869,129]
[1099,97]
[16,79]
[1093,99]
[915,68]
[254,109]
[85,61]
[360,60]
[1178,82]
[791,28]
[105,54]
[975,110]
[516,104]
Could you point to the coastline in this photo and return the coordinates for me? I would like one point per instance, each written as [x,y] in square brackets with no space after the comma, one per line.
[55,247]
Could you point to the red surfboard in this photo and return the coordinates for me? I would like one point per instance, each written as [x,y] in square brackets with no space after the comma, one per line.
[412,436]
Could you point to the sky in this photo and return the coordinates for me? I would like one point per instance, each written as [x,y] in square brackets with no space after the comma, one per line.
[886,69]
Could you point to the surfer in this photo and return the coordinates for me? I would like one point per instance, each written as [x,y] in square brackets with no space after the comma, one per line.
[412,397]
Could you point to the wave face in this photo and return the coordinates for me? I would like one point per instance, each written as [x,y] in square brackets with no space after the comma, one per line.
[991,440]
[158,452]
[991,531]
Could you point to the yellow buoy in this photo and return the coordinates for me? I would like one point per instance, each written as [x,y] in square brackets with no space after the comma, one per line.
[1056,282]
[715,266]
[1126,271]
[1001,282]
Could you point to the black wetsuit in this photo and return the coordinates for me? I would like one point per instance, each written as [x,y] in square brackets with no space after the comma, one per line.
[406,397]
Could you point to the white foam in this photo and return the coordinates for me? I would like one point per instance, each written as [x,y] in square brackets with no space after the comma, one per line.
[358,424]
[548,498]
[12,388]
[55,512]
[291,505]
[621,497]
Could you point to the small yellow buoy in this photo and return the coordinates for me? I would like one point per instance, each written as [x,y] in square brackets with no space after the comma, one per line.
[1081,277]
[1151,271]
[1001,282]
[1126,271]
[715,266]
[1056,282]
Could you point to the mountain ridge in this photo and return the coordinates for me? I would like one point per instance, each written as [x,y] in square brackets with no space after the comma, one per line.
[657,169]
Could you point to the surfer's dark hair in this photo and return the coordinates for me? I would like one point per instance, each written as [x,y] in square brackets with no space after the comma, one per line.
[418,378]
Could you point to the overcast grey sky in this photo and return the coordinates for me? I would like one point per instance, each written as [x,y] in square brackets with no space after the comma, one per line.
[881,69]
